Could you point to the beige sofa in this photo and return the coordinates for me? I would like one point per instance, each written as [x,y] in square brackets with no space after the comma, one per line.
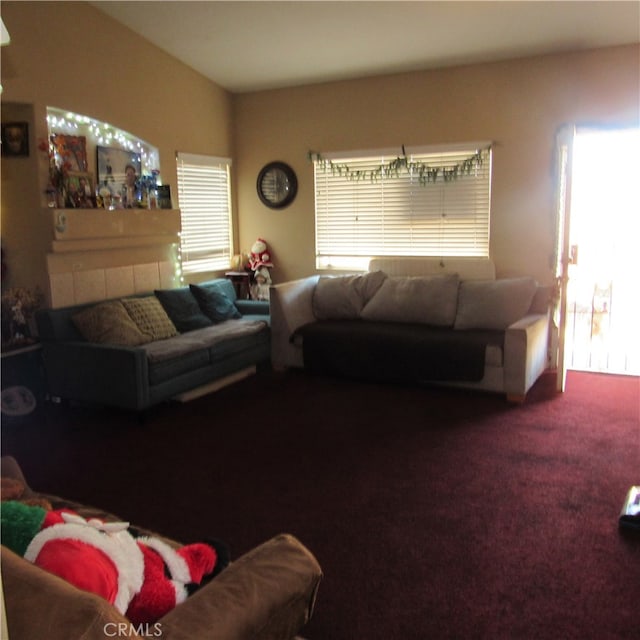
[510,368]
[266,594]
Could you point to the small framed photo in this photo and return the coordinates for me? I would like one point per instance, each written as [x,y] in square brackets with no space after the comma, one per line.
[112,168]
[71,151]
[15,139]
[164,196]
[80,190]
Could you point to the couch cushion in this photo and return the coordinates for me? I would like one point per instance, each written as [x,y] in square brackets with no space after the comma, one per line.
[393,351]
[150,317]
[201,339]
[215,303]
[344,297]
[169,369]
[109,323]
[199,348]
[542,299]
[183,309]
[428,300]
[493,304]
[227,350]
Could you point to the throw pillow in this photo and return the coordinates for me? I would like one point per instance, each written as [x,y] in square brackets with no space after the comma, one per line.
[214,303]
[423,299]
[344,297]
[183,309]
[150,317]
[542,299]
[493,304]
[109,323]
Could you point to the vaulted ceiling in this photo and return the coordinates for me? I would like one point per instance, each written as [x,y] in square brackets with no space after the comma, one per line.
[249,46]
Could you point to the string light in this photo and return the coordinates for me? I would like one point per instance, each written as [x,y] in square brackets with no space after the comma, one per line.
[102,133]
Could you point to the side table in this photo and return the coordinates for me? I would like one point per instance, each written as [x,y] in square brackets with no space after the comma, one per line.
[241,281]
[23,384]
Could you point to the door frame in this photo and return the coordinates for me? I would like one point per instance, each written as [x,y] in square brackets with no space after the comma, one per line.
[565,138]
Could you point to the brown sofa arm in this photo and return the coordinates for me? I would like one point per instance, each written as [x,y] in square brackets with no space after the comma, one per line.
[10,468]
[266,594]
[41,605]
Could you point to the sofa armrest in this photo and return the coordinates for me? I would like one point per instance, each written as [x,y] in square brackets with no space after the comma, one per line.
[525,354]
[97,373]
[266,594]
[252,307]
[39,604]
[291,307]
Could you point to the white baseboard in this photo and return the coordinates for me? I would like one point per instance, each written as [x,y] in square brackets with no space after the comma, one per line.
[198,392]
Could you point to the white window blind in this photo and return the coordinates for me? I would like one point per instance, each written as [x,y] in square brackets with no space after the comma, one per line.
[205,205]
[395,215]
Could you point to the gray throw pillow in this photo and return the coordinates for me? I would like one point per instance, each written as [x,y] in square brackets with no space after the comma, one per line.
[421,299]
[493,304]
[344,297]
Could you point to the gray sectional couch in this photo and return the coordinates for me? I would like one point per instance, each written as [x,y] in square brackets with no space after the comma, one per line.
[416,320]
[142,350]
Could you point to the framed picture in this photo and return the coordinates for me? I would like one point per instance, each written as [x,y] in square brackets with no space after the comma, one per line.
[71,151]
[164,196]
[80,190]
[15,139]
[112,164]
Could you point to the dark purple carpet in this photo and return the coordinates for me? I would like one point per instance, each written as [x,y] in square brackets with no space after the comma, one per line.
[434,513]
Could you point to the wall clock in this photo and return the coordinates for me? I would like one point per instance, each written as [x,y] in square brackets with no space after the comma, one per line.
[277,185]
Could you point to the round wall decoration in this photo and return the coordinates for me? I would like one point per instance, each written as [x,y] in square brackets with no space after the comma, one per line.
[277,185]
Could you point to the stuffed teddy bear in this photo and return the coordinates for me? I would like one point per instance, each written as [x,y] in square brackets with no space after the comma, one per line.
[143,577]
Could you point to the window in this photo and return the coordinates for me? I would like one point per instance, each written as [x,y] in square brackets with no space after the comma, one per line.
[205,205]
[376,204]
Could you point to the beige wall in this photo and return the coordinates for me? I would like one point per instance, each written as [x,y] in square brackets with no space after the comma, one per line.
[518,104]
[70,55]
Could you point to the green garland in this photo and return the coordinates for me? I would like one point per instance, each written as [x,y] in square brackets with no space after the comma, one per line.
[425,172]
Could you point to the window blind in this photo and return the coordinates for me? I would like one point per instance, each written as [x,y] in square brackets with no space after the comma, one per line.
[205,206]
[395,215]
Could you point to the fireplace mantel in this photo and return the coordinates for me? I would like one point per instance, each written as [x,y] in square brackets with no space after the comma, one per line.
[87,229]
[98,254]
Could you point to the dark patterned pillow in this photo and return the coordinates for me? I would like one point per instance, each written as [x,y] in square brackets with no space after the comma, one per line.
[215,304]
[150,317]
[109,323]
[183,309]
